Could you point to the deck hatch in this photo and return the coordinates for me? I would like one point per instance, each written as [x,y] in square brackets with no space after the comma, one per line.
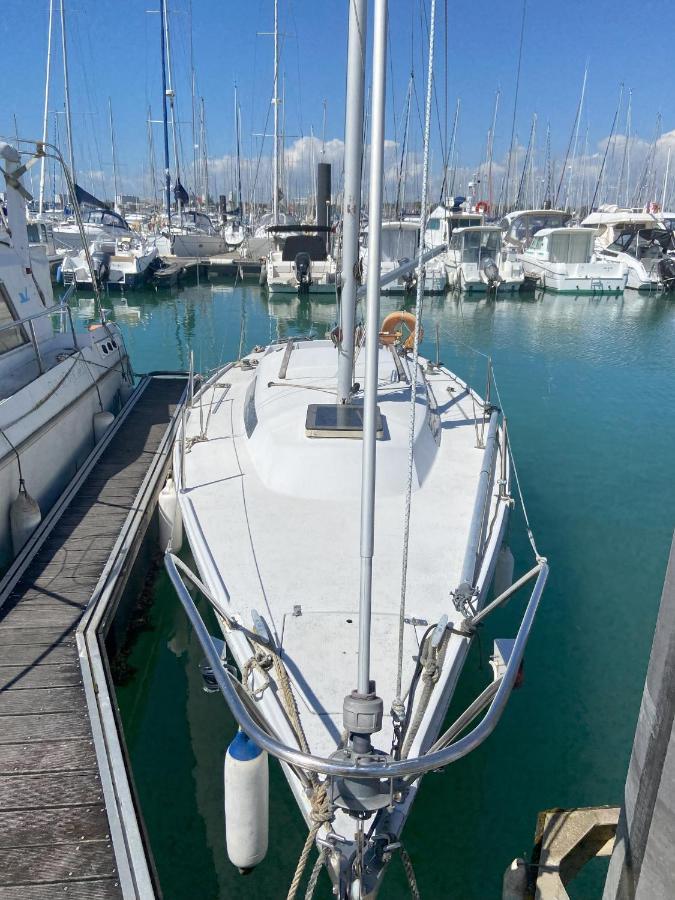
[338,420]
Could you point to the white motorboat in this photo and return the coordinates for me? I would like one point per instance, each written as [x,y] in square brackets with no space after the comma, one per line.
[520,227]
[564,260]
[477,261]
[638,241]
[347,623]
[122,264]
[58,388]
[301,263]
[399,244]
[98,223]
[443,220]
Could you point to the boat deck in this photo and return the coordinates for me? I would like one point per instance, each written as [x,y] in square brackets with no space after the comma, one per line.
[57,833]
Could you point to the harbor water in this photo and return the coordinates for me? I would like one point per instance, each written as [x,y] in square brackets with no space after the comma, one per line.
[587,384]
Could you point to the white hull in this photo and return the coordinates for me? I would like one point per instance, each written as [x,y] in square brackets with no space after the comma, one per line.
[256,467]
[50,422]
[575,278]
[197,245]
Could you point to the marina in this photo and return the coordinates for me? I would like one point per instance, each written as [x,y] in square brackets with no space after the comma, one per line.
[337,553]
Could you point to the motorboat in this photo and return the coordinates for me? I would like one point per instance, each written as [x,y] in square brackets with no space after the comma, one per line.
[97,223]
[59,389]
[301,263]
[520,227]
[638,241]
[476,260]
[121,264]
[399,243]
[301,474]
[443,220]
[564,260]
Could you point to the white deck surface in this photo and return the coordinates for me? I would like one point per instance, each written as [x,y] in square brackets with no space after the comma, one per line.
[273,520]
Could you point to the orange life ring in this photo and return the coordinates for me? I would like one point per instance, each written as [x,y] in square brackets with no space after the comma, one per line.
[482,206]
[391,332]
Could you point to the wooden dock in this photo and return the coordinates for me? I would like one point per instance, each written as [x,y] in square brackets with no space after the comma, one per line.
[65,802]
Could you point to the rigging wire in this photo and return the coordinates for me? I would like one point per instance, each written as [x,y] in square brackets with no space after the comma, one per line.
[398,708]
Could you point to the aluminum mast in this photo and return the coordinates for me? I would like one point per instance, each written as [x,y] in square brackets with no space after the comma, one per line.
[45,129]
[66,91]
[351,214]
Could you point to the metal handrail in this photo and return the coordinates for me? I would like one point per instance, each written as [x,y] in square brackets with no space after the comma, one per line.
[56,309]
[380,770]
[49,311]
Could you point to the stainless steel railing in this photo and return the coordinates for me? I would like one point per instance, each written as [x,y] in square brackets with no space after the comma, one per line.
[406,768]
[27,325]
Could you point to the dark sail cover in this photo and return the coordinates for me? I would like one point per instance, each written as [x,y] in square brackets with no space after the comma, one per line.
[85,198]
[180,193]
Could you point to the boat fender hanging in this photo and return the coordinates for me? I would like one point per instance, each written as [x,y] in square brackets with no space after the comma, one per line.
[170,518]
[503,577]
[24,517]
[102,422]
[246,779]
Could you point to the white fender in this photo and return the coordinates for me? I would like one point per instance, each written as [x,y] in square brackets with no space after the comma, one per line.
[170,518]
[102,422]
[246,802]
[503,578]
[24,518]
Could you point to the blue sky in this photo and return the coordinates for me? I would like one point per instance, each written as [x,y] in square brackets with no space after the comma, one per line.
[114,51]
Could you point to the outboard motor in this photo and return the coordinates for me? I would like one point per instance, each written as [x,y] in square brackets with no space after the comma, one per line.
[491,272]
[101,261]
[409,280]
[666,269]
[303,270]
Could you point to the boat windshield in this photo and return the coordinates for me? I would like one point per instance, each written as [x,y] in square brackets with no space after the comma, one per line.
[523,227]
[10,336]
[644,243]
[477,245]
[104,217]
[398,243]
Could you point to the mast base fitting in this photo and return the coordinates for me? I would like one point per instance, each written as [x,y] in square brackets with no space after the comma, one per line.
[362,713]
[360,796]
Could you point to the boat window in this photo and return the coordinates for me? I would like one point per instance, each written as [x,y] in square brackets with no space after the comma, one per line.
[571,247]
[434,224]
[313,244]
[398,243]
[113,220]
[10,337]
[250,414]
[93,217]
[480,244]
[537,243]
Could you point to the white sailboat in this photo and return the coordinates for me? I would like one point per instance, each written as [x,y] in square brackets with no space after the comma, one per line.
[58,388]
[346,670]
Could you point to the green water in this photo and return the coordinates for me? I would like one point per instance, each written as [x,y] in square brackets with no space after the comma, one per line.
[588,386]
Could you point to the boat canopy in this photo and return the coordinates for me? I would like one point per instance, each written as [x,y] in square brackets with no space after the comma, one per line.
[312,244]
[521,226]
[565,245]
[476,243]
[104,217]
[199,220]
[643,242]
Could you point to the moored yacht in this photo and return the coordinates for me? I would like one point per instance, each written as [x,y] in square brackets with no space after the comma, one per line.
[192,234]
[638,241]
[301,262]
[399,244]
[58,388]
[564,260]
[520,227]
[121,264]
[476,261]
[334,453]
[97,223]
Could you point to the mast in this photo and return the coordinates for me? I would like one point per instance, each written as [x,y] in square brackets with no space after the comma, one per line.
[491,148]
[66,90]
[665,181]
[204,151]
[151,159]
[165,121]
[576,138]
[237,129]
[372,342]
[171,94]
[114,156]
[275,102]
[351,212]
[45,128]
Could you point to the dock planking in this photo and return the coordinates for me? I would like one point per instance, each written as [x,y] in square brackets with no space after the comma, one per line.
[54,830]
